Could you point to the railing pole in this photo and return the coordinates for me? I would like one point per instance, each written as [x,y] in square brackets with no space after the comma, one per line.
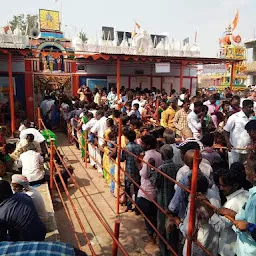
[118,164]
[116,234]
[51,165]
[85,149]
[39,120]
[192,209]
[68,133]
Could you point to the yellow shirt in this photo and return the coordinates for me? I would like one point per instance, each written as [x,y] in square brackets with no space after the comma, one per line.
[167,117]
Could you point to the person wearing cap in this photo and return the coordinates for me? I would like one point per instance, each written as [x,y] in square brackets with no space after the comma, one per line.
[20,184]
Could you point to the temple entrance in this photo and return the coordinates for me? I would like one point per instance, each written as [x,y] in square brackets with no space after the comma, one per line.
[45,83]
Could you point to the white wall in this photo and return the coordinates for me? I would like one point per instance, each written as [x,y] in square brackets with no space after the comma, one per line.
[156,82]
[129,68]
[249,54]
[171,79]
[17,64]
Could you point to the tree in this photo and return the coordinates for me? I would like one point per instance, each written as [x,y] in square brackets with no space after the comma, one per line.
[82,36]
[24,23]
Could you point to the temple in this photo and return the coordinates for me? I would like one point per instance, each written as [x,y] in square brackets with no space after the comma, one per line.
[220,76]
[45,59]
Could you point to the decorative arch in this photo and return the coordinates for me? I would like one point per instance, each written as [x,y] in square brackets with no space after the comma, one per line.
[51,44]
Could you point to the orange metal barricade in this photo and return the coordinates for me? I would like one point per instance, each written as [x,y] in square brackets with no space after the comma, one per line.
[192,193]
[53,166]
[158,206]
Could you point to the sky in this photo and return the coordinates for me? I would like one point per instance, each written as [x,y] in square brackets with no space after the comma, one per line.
[178,18]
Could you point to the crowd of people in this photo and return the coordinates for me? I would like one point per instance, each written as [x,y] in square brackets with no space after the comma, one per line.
[164,132]
[24,220]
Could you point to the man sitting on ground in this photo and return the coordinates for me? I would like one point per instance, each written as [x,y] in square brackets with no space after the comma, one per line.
[30,162]
[23,145]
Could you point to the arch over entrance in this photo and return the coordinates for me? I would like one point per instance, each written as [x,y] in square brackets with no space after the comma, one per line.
[48,45]
[51,55]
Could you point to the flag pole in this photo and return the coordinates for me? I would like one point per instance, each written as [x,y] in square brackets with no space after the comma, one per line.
[61,11]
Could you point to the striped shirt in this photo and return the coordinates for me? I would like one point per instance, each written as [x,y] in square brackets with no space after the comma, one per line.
[180,121]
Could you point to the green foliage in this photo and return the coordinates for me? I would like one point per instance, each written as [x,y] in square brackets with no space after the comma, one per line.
[82,36]
[24,22]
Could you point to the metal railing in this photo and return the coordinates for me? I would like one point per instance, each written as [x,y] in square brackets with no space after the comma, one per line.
[54,169]
[192,210]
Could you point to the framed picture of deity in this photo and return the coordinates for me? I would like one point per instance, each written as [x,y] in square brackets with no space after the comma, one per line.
[49,20]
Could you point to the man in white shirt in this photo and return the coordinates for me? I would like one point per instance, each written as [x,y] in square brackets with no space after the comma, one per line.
[20,184]
[230,183]
[87,127]
[194,122]
[38,137]
[97,98]
[137,101]
[99,128]
[30,162]
[236,136]
[182,97]
[43,107]
[49,105]
[112,97]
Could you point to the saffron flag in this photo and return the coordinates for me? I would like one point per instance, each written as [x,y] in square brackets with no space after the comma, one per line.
[195,36]
[235,21]
[136,26]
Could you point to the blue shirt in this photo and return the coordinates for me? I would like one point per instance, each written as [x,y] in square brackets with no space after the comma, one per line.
[246,245]
[179,202]
[36,248]
[251,228]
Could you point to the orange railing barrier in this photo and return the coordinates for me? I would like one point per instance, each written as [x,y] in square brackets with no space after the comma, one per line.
[55,169]
[191,225]
[155,203]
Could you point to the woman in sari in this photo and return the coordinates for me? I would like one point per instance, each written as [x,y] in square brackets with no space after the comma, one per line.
[81,136]
[106,151]
[112,160]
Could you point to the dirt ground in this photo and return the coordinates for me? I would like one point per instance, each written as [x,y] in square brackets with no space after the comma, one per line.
[133,235]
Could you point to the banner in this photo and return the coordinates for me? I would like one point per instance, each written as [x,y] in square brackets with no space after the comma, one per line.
[162,67]
[214,68]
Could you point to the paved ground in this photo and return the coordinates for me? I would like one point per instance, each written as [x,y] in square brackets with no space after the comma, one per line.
[132,233]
